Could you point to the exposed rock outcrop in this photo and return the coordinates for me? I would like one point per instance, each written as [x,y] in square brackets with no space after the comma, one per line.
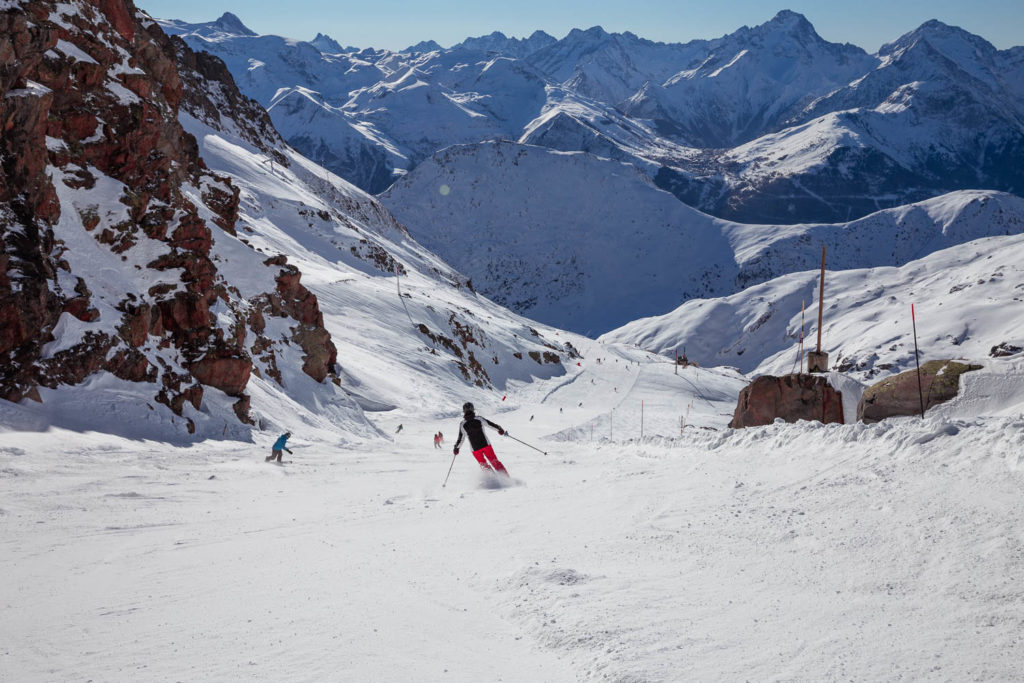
[210,95]
[899,395]
[109,217]
[790,397]
[1004,349]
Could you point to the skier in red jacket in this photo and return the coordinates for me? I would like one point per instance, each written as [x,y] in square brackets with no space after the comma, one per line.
[472,428]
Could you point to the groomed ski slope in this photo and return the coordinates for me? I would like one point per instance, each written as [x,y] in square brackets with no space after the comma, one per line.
[789,552]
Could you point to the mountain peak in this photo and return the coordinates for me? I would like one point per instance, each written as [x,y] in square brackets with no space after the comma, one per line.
[788,21]
[788,16]
[592,32]
[936,28]
[424,46]
[232,24]
[326,44]
[497,41]
[952,41]
[786,27]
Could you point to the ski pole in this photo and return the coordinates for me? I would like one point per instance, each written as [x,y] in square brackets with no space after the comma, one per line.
[449,470]
[525,444]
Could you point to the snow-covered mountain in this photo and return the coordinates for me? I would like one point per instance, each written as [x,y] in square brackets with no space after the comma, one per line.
[124,274]
[501,44]
[748,83]
[169,264]
[770,123]
[563,236]
[942,110]
[328,45]
[542,231]
[191,272]
[967,300]
[611,67]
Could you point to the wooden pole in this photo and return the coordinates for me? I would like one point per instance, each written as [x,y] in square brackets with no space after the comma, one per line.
[817,361]
[802,304]
[821,295]
[917,359]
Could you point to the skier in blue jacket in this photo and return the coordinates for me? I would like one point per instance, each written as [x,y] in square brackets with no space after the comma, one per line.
[279,445]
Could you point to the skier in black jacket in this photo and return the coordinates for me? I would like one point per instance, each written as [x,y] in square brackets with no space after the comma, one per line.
[472,428]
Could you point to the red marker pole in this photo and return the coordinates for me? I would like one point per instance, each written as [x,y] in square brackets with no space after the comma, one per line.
[917,359]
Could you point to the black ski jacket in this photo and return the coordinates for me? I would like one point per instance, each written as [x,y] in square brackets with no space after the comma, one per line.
[472,427]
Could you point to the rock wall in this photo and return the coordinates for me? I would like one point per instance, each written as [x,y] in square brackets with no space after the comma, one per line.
[91,149]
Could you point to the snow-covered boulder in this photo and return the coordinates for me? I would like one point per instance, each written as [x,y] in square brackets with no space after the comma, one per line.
[903,394]
[790,398]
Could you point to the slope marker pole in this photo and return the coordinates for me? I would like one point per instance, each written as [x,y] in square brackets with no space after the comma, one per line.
[802,306]
[917,359]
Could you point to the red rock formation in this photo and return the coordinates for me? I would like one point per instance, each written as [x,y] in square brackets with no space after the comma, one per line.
[297,301]
[790,397]
[116,116]
[230,375]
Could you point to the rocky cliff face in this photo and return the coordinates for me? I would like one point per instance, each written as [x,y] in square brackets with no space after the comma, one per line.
[109,218]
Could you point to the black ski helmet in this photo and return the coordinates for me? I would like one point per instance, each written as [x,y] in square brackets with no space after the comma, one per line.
[467,407]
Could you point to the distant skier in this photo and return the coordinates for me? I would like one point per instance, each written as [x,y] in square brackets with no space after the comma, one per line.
[399,429]
[437,440]
[472,428]
[279,445]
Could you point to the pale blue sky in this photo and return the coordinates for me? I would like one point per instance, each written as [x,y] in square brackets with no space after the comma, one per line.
[395,24]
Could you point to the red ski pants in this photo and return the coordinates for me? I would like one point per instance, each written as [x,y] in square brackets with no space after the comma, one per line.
[488,460]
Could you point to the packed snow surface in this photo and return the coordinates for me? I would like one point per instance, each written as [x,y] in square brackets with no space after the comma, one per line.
[788,552]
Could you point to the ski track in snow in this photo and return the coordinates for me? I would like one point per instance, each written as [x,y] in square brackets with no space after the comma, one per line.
[787,552]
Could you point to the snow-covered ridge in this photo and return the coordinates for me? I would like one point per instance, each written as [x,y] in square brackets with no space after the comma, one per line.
[966,299]
[196,291]
[769,123]
[591,244]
